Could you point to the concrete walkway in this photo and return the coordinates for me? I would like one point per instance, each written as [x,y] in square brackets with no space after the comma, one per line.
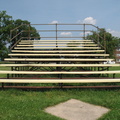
[77,110]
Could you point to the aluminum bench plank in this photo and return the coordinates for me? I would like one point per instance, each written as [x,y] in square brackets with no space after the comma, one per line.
[37,59]
[60,72]
[56,40]
[58,80]
[58,54]
[62,65]
[56,47]
[56,51]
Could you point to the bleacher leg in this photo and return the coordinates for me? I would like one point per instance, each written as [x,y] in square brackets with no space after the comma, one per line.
[2,85]
[60,84]
[114,75]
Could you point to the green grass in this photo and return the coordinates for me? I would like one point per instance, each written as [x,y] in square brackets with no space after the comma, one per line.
[30,105]
[4,68]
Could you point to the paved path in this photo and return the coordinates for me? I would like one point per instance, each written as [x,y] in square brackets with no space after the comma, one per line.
[77,110]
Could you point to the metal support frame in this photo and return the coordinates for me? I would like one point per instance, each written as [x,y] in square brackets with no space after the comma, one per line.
[2,85]
[84,31]
[57,37]
[114,75]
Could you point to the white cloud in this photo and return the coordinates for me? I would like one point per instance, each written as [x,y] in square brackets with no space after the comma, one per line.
[87,20]
[66,34]
[54,22]
[114,33]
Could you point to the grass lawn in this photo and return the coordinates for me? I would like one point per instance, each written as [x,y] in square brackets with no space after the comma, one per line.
[30,105]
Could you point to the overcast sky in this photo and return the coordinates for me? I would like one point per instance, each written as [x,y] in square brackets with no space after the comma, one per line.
[102,13]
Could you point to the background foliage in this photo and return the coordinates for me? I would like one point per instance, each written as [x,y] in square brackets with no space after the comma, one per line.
[109,42]
[7,24]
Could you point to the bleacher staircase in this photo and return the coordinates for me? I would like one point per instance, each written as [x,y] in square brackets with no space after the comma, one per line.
[58,61]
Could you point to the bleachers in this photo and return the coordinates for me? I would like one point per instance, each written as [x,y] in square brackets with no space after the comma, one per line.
[31,60]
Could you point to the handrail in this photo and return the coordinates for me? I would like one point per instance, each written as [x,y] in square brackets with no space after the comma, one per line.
[55,30]
[15,44]
[18,27]
[62,24]
[16,35]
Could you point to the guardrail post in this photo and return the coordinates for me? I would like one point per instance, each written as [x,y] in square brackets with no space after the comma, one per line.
[10,38]
[56,35]
[105,41]
[84,31]
[29,31]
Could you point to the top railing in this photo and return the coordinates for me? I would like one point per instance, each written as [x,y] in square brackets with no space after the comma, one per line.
[55,31]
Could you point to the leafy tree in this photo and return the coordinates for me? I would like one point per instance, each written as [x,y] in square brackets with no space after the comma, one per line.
[105,40]
[7,24]
[28,32]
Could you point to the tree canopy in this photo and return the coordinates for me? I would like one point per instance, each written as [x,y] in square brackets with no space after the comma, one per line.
[109,42]
[7,24]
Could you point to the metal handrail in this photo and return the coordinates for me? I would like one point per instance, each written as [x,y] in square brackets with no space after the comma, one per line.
[56,30]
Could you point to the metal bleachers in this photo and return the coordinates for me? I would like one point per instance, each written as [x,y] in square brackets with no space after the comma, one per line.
[58,61]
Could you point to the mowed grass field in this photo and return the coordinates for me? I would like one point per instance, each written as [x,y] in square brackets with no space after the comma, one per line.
[29,105]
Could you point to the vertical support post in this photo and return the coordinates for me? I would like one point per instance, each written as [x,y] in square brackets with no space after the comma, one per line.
[57,68]
[12,70]
[98,41]
[107,70]
[105,41]
[56,35]
[84,31]
[60,84]
[7,76]
[2,85]
[29,32]
[10,38]
[16,36]
[114,75]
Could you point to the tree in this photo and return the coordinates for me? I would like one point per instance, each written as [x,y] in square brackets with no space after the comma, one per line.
[27,31]
[7,24]
[105,40]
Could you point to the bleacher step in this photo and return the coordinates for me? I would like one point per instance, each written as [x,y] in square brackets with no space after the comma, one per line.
[59,80]
[57,54]
[60,72]
[59,51]
[57,48]
[59,59]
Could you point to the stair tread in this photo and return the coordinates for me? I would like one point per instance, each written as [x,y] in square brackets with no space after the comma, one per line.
[58,80]
[50,45]
[53,40]
[59,72]
[58,54]
[58,42]
[56,47]
[63,65]
[37,59]
[61,51]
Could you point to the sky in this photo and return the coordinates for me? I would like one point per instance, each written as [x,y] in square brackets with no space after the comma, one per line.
[102,13]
